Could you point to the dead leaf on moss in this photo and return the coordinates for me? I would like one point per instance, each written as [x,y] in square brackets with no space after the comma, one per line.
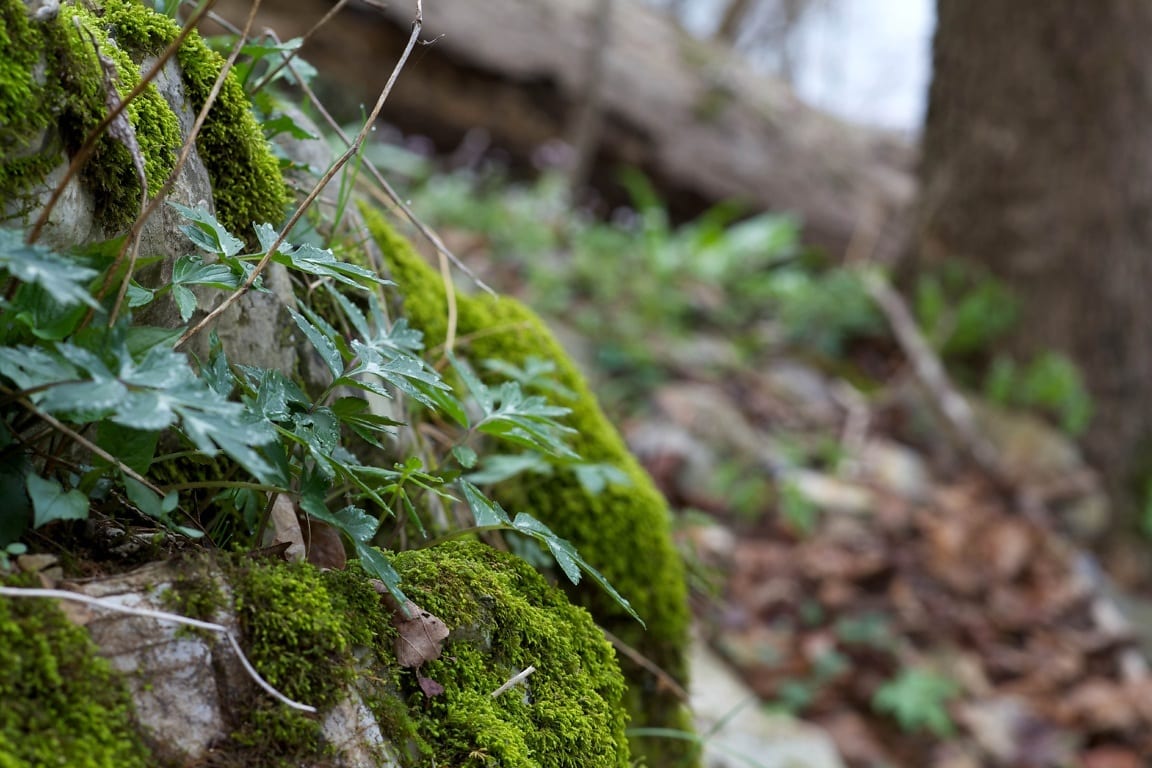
[429,686]
[421,634]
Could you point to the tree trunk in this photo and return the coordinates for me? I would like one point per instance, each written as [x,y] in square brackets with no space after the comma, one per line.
[1037,164]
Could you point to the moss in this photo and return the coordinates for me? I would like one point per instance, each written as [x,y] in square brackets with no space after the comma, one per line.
[111,172]
[246,180]
[245,176]
[62,704]
[625,532]
[25,103]
[569,711]
[301,629]
[305,632]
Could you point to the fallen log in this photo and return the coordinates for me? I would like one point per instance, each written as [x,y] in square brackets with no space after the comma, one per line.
[692,116]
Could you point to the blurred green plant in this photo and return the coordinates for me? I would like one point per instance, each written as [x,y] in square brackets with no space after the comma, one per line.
[962,310]
[918,701]
[1050,383]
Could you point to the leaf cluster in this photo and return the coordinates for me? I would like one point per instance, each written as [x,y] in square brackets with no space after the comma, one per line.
[350,455]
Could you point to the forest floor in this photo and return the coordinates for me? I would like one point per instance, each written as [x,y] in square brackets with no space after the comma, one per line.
[852,563]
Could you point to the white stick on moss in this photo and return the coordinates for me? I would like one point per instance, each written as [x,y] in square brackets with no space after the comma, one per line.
[519,677]
[60,594]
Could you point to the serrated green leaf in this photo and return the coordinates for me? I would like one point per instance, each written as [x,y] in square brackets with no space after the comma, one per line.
[282,123]
[498,467]
[50,502]
[62,277]
[322,343]
[156,507]
[30,367]
[138,296]
[321,262]
[259,50]
[485,511]
[192,270]
[355,413]
[357,524]
[465,455]
[376,564]
[275,396]
[142,338]
[206,232]
[569,559]
[536,373]
[47,319]
[185,301]
[594,478]
[478,389]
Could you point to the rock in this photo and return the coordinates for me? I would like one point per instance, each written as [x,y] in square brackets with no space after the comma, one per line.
[352,730]
[169,671]
[831,494]
[740,733]
[799,390]
[711,417]
[895,468]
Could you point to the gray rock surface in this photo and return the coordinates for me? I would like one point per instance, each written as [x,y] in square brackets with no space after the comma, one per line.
[737,731]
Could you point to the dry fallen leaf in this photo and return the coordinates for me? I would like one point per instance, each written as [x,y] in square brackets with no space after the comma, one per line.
[429,686]
[421,635]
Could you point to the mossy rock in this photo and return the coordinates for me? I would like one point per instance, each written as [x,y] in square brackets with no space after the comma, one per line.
[623,531]
[52,96]
[62,703]
[324,639]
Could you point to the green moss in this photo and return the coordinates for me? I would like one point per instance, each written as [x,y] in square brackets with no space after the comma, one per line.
[62,704]
[245,176]
[625,532]
[568,714]
[305,631]
[111,172]
[301,629]
[25,103]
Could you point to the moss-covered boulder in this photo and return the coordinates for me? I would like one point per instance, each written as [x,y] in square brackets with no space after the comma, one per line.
[623,531]
[168,696]
[53,94]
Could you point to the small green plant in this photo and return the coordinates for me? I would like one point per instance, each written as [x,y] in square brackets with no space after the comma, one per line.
[918,701]
[1050,383]
[264,434]
[962,310]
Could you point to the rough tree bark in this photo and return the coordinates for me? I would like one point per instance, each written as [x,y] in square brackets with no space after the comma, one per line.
[1037,163]
[697,121]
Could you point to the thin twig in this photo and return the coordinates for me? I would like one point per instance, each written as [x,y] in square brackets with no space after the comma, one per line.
[930,372]
[516,679]
[663,677]
[60,594]
[89,145]
[394,198]
[63,428]
[317,189]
